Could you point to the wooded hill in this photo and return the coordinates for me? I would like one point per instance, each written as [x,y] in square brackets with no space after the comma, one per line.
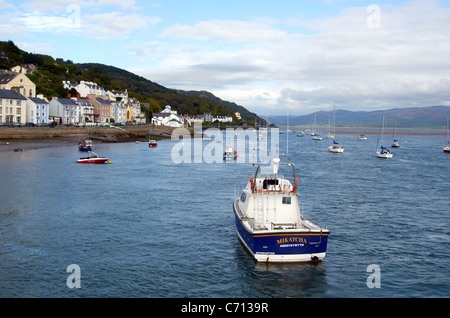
[51,72]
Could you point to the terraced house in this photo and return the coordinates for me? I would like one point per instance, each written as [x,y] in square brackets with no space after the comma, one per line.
[12,107]
[37,110]
[64,110]
[18,82]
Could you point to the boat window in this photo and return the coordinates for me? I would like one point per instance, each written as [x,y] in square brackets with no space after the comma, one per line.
[286,200]
[243,197]
[267,182]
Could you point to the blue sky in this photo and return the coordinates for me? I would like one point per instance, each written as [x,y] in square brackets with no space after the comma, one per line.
[272,57]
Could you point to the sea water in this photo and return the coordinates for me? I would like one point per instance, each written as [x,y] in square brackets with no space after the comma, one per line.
[145,226]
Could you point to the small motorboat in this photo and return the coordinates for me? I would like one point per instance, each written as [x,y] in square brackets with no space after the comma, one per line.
[362,137]
[93,158]
[85,145]
[230,153]
[152,143]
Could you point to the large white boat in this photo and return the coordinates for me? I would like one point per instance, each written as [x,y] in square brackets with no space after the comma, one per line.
[269,222]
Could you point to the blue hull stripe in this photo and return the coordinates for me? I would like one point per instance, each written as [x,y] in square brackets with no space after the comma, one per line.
[285,243]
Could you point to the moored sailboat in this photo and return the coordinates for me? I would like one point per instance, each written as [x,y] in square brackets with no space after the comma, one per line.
[395,144]
[335,147]
[447,143]
[383,153]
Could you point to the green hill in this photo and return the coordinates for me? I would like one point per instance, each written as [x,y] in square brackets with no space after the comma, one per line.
[51,72]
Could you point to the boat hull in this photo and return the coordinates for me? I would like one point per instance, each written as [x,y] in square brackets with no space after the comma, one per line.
[152,145]
[93,161]
[384,155]
[447,149]
[283,246]
[336,149]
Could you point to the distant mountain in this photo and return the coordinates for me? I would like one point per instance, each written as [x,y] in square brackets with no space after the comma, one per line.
[414,117]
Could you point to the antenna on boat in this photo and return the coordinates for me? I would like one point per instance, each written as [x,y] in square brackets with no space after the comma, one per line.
[287,135]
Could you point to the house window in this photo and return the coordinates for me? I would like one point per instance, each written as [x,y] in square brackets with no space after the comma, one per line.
[18,103]
[286,200]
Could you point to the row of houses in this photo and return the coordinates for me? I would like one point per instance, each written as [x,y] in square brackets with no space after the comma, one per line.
[16,108]
[20,104]
[93,104]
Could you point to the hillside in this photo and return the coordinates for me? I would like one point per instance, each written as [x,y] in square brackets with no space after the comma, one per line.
[229,105]
[417,117]
[51,72]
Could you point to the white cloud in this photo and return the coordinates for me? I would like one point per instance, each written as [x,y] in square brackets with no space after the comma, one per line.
[227,30]
[115,24]
[340,59]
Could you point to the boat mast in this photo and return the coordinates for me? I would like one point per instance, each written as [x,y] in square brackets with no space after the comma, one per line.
[446,132]
[382,130]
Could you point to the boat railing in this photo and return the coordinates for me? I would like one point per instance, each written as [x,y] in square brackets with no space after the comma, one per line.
[283,225]
[273,184]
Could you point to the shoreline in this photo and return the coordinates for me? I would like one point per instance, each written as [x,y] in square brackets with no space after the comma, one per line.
[22,144]
[27,138]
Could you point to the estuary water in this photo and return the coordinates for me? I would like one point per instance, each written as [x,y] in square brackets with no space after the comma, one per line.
[146,226]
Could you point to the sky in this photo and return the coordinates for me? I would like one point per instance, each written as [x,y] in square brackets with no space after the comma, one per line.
[284,57]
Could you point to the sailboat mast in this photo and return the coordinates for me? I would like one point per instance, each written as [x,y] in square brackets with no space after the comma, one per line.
[446,132]
[334,121]
[382,130]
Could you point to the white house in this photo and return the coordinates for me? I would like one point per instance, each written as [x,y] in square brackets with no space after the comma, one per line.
[85,88]
[37,110]
[168,117]
[12,106]
[85,110]
[65,109]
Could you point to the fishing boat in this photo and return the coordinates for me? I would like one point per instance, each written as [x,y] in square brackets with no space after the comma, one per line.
[395,144]
[230,153]
[269,222]
[383,153]
[447,143]
[93,159]
[85,144]
[152,143]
